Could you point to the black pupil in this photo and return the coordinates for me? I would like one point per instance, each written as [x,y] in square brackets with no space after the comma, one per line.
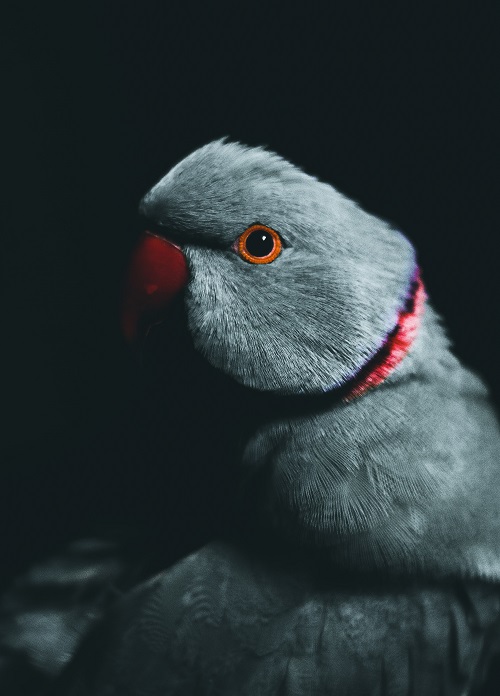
[259,243]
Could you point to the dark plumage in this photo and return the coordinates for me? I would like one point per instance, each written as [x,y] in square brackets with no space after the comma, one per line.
[226,622]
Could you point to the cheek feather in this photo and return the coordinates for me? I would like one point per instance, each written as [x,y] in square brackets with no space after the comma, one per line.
[396,345]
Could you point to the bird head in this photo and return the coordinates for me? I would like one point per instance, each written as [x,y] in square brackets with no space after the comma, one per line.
[289,287]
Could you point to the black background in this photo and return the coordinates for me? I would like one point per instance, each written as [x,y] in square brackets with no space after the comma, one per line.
[398,108]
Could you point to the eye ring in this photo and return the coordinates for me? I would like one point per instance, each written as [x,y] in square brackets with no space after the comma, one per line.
[259,248]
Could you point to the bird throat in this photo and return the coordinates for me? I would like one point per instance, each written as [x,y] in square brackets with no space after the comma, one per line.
[395,346]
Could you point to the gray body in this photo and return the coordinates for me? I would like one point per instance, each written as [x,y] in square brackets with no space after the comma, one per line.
[387,505]
[224,622]
[407,476]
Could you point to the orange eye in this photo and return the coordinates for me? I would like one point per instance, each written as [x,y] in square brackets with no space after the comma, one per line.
[259,244]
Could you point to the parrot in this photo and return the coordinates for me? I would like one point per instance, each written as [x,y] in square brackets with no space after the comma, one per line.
[350,463]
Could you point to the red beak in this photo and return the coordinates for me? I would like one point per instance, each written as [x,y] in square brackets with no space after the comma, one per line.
[157,273]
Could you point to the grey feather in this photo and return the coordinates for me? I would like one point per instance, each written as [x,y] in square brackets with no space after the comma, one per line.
[371,479]
[225,622]
[404,478]
[374,558]
[311,319]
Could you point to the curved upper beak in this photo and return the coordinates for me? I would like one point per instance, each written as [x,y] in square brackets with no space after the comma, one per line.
[157,273]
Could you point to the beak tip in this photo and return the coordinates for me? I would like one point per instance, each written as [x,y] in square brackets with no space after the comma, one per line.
[157,273]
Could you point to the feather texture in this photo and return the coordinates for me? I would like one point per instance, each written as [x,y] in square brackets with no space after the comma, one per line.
[358,517]
[225,622]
